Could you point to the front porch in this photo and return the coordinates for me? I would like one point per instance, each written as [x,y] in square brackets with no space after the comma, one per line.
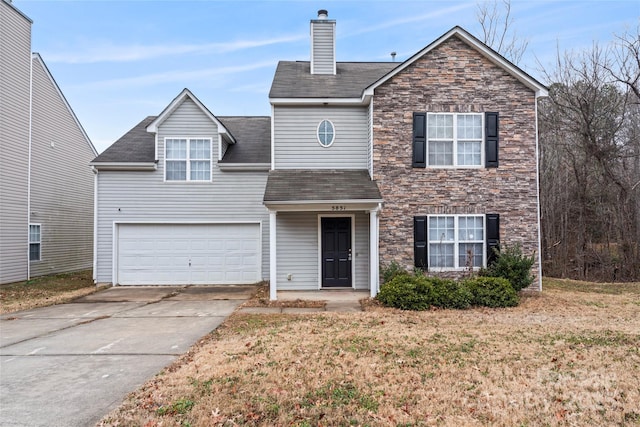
[323,231]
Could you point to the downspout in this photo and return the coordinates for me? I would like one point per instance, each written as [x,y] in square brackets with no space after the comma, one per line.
[29,169]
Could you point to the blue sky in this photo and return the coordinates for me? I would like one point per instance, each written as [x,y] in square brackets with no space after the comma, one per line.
[120,61]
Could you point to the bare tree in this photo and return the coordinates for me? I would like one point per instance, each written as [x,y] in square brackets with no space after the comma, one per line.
[497,29]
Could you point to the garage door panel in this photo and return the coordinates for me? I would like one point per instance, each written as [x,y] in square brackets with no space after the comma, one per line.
[166,254]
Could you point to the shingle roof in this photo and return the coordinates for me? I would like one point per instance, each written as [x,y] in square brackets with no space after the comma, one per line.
[253,136]
[320,185]
[293,79]
[135,146]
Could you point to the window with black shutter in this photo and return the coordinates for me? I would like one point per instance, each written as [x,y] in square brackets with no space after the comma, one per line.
[493,237]
[491,140]
[419,140]
[420,242]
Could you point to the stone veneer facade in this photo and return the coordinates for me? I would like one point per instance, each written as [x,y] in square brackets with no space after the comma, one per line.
[453,77]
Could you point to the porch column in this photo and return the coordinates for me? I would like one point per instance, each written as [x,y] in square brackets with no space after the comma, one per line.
[374,261]
[273,293]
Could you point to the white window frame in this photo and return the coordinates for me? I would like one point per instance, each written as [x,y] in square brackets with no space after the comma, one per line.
[38,242]
[188,158]
[333,138]
[456,242]
[455,141]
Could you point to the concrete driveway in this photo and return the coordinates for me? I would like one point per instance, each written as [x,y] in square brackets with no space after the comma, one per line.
[69,365]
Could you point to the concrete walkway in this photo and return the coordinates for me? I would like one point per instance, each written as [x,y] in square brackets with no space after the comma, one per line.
[69,365]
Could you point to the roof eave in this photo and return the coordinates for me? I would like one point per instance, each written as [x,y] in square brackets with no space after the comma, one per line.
[244,166]
[318,101]
[125,166]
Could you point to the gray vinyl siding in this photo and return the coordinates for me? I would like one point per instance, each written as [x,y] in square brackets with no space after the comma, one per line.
[370,138]
[296,143]
[15,60]
[322,39]
[61,182]
[297,243]
[231,196]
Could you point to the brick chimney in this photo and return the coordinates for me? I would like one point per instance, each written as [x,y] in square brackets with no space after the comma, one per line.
[323,44]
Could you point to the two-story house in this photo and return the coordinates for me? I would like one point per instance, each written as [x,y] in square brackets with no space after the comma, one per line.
[429,163]
[46,187]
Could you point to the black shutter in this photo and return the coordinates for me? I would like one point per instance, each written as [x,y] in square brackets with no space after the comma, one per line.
[419,140]
[493,237]
[491,130]
[420,242]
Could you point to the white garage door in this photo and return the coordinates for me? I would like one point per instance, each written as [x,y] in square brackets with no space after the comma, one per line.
[188,254]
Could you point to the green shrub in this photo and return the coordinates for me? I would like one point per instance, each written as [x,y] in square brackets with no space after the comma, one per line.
[392,270]
[512,265]
[492,292]
[403,292]
[447,293]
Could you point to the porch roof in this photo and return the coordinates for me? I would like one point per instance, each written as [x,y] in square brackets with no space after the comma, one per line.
[321,185]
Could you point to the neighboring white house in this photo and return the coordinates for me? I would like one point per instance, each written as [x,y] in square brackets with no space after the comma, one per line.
[46,184]
[360,164]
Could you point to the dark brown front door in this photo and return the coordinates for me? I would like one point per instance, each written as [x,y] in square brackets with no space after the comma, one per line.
[336,252]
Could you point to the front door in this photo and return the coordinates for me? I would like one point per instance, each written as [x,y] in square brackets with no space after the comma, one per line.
[336,252]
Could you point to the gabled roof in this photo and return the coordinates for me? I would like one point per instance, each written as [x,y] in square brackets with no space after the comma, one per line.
[293,79]
[36,57]
[178,100]
[320,185]
[135,146]
[479,46]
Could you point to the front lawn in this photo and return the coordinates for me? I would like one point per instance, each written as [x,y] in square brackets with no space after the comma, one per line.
[45,290]
[569,356]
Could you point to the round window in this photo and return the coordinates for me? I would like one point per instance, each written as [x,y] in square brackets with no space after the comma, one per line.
[326,133]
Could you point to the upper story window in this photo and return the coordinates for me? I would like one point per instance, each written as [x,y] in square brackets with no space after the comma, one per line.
[187,159]
[454,139]
[34,242]
[326,133]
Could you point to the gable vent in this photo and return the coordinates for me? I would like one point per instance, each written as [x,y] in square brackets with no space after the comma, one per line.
[323,44]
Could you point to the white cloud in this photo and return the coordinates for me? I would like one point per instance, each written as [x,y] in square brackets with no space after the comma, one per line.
[411,19]
[108,52]
[181,76]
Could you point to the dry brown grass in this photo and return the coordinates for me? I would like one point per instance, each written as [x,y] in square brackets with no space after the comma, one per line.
[565,357]
[261,299]
[46,290]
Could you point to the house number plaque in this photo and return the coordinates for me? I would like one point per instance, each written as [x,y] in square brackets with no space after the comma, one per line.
[337,208]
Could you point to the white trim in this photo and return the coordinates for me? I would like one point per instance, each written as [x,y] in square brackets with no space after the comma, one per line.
[273,262]
[374,253]
[155,137]
[121,166]
[310,206]
[538,201]
[177,101]
[219,147]
[539,89]
[188,159]
[37,56]
[29,142]
[353,247]
[263,167]
[95,225]
[116,230]
[456,242]
[333,132]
